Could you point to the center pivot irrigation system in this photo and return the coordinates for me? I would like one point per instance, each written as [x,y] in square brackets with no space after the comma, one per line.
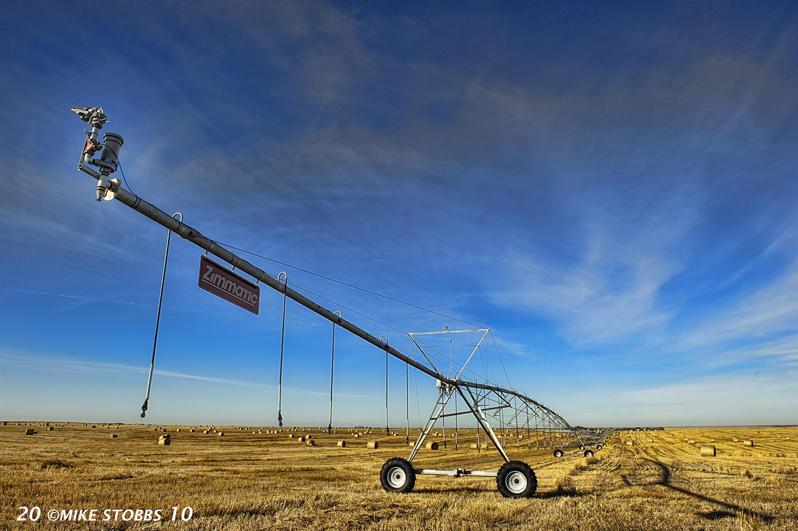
[517,415]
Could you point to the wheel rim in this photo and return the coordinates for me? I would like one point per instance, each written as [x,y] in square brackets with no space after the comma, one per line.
[515,482]
[397,477]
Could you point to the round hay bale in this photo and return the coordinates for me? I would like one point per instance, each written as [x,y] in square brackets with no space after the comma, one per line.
[708,451]
[206,432]
[29,431]
[49,428]
[310,442]
[432,445]
[221,434]
[191,430]
[356,436]
[5,423]
[290,435]
[113,436]
[301,438]
[748,443]
[474,446]
[341,444]
[164,440]
[178,429]
[373,445]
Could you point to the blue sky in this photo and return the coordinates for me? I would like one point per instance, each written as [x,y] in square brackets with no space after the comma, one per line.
[610,188]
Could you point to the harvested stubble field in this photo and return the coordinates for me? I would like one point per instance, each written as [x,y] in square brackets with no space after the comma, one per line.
[246,480]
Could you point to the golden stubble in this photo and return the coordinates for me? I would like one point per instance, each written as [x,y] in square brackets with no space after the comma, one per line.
[260,478]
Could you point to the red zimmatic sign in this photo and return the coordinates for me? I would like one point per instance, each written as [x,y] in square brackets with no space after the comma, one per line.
[229,286]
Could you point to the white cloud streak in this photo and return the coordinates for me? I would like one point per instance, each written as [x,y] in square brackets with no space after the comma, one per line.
[610,289]
[36,362]
[720,399]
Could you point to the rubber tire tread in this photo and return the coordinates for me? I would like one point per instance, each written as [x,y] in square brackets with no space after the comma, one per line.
[532,480]
[408,468]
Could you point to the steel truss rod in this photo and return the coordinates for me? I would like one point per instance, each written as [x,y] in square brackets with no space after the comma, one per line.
[482,422]
[282,345]
[443,397]
[457,414]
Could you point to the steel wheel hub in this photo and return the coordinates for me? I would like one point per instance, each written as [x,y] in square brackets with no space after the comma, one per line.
[397,477]
[515,482]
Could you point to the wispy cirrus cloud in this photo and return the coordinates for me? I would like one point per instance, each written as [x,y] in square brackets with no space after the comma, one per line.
[608,285]
[36,362]
[783,351]
[766,315]
[718,399]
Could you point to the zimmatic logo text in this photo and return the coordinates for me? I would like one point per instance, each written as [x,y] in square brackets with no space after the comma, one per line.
[227,285]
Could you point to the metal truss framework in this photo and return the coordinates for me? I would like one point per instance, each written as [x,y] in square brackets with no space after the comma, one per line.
[515,415]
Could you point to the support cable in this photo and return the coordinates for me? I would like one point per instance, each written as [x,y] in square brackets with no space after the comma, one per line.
[371,292]
[498,354]
[347,284]
[440,355]
[315,294]
[119,163]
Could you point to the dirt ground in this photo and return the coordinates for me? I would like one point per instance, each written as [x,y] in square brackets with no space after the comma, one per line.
[245,479]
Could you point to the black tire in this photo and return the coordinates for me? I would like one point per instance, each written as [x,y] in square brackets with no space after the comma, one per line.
[557,453]
[588,453]
[599,447]
[397,475]
[516,480]
[581,446]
